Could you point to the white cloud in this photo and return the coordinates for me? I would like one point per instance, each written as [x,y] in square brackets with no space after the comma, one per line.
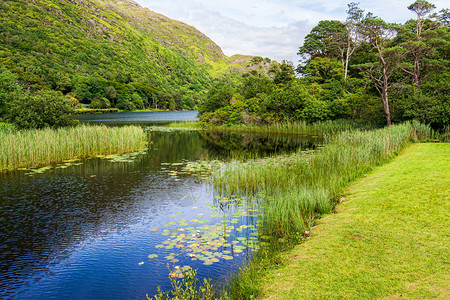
[267,27]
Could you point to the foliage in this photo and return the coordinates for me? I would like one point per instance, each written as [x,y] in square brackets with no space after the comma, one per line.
[42,109]
[95,49]
[9,89]
[187,287]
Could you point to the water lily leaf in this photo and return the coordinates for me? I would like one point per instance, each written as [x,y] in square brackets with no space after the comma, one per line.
[154,229]
[227,257]
[151,256]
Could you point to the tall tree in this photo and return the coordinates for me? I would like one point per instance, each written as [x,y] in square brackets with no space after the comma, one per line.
[417,36]
[387,58]
[327,40]
[355,16]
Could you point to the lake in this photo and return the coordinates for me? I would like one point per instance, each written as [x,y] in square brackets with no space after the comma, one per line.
[117,227]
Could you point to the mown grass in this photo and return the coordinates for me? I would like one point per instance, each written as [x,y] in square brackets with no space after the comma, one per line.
[388,240]
[300,187]
[33,148]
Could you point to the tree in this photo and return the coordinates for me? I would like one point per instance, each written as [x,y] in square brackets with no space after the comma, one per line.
[283,73]
[355,16]
[327,40]
[9,89]
[387,58]
[45,108]
[417,36]
[323,70]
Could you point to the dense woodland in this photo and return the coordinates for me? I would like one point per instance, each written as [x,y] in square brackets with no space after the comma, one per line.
[56,56]
[364,68]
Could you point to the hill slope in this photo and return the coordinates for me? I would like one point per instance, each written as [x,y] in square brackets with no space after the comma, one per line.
[85,47]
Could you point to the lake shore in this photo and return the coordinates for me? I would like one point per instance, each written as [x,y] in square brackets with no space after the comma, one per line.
[389,238]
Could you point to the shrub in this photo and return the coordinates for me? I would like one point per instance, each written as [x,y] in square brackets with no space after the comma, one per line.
[100,103]
[45,108]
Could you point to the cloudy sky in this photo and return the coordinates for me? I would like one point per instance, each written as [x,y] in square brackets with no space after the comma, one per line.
[270,28]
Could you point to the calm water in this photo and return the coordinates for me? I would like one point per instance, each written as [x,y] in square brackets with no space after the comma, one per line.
[84,231]
[139,117]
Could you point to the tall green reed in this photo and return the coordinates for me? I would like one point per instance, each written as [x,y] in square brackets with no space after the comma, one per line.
[300,127]
[32,148]
[305,184]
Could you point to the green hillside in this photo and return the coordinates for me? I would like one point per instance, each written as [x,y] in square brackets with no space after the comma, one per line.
[115,52]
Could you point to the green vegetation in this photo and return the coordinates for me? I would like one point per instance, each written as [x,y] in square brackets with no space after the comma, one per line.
[363,68]
[105,53]
[37,147]
[389,239]
[300,187]
[320,128]
[45,108]
[187,287]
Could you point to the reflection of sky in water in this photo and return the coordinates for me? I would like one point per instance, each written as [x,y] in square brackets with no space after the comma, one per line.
[81,231]
[139,117]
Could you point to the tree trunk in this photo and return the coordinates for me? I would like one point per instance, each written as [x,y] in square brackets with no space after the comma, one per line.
[385,99]
[416,72]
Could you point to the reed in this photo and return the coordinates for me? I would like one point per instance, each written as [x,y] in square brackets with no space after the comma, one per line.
[302,185]
[300,127]
[33,148]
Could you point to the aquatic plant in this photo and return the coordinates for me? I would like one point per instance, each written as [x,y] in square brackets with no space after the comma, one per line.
[33,148]
[187,287]
[319,128]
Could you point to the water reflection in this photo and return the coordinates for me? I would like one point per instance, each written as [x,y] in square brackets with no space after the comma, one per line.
[80,232]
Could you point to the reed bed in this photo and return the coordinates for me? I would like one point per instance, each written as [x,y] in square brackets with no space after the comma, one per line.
[300,186]
[301,127]
[33,148]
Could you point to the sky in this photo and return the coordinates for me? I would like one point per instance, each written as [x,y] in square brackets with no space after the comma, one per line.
[270,28]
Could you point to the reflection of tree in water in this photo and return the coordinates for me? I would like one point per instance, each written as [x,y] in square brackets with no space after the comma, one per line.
[220,144]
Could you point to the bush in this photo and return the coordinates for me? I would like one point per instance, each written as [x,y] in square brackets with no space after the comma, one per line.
[100,103]
[45,108]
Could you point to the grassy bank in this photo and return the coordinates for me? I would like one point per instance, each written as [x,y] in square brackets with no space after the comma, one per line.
[300,187]
[388,240]
[33,148]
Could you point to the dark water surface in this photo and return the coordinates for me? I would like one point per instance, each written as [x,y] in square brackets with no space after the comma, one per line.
[84,231]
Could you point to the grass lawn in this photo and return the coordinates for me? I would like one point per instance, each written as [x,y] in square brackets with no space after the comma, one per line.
[389,239]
